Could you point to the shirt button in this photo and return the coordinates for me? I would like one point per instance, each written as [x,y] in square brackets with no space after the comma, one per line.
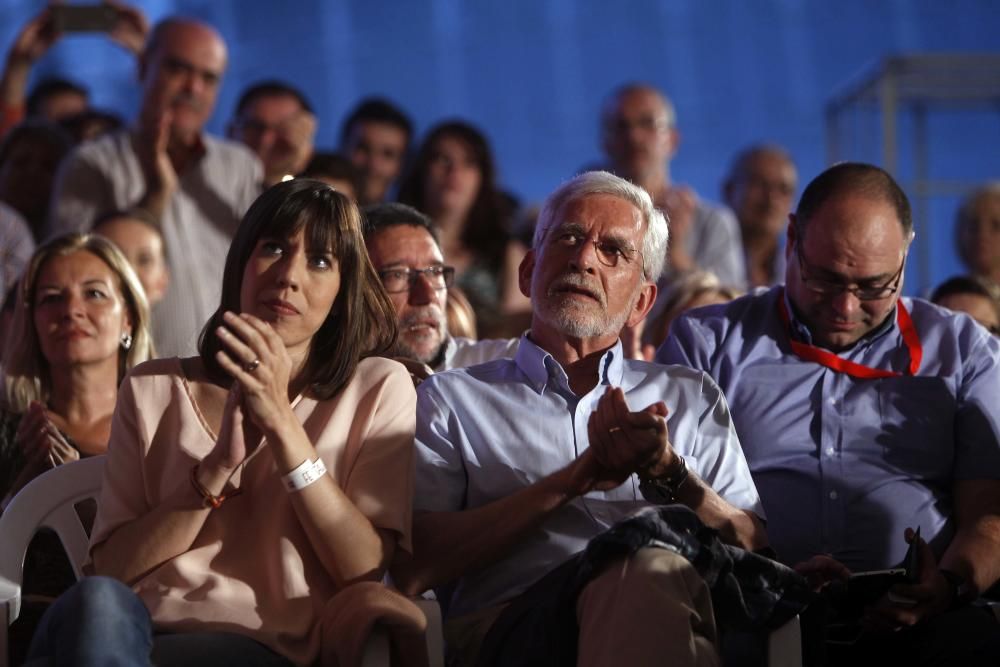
[833,495]
[832,401]
[830,451]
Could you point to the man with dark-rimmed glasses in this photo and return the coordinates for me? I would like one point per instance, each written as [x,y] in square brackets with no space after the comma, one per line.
[864,415]
[404,250]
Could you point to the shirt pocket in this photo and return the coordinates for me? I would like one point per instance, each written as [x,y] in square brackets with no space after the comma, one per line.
[918,426]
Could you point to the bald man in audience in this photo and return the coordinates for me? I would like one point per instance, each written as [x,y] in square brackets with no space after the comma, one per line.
[193,186]
[404,248]
[640,139]
[759,189]
[870,422]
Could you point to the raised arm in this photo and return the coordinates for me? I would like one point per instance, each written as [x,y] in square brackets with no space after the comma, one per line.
[144,537]
[346,541]
[34,39]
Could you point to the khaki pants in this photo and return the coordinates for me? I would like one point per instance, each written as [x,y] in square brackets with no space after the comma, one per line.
[650,609]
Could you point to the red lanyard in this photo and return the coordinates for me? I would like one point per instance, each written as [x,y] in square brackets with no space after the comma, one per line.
[825,358]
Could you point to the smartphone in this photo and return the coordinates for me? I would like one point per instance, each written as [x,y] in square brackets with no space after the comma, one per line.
[83,18]
[864,588]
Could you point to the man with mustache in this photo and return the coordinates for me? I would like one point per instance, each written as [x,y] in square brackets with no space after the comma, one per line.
[193,186]
[640,138]
[863,416]
[521,462]
[403,246]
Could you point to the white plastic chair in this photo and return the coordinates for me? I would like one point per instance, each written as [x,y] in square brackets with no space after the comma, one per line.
[48,501]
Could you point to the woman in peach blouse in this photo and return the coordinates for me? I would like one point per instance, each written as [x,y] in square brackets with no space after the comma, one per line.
[248,486]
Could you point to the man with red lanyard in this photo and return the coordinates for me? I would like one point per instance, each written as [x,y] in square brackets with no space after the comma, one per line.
[863,415]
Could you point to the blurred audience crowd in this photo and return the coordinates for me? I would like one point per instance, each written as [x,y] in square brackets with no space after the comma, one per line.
[114,237]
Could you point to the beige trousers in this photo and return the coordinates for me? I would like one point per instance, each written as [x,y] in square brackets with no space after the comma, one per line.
[650,609]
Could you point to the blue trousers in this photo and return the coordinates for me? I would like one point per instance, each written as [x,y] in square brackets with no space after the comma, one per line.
[100,622]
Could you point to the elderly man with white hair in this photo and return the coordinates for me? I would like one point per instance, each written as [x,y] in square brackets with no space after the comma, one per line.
[522,462]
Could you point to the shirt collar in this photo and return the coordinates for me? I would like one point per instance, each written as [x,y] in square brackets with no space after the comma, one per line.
[801,332]
[447,353]
[541,368]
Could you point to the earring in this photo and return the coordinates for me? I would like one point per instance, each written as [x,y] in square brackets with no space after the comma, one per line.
[126,341]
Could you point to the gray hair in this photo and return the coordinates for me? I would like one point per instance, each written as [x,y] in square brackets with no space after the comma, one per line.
[654,243]
[965,217]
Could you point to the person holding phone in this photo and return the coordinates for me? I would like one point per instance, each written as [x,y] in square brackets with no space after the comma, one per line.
[54,99]
[247,486]
[864,415]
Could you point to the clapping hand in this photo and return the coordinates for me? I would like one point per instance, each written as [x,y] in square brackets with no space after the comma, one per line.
[150,141]
[43,444]
[256,358]
[623,442]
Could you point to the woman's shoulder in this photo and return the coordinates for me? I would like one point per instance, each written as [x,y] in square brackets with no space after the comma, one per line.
[379,376]
[156,370]
[154,378]
[379,370]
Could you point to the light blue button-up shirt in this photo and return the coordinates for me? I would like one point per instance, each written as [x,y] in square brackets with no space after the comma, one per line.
[488,431]
[844,465]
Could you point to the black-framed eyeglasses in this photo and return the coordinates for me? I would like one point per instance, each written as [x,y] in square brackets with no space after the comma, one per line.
[825,287]
[610,252]
[403,278]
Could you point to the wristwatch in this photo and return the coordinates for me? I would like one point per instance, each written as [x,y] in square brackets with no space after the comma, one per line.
[663,490]
[961,590]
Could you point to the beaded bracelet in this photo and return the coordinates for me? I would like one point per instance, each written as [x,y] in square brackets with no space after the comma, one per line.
[305,474]
[215,502]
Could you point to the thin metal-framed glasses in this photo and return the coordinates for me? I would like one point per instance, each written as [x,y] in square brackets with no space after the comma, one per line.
[825,287]
[403,278]
[610,252]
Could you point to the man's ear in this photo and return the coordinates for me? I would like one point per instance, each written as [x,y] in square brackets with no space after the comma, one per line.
[790,238]
[672,137]
[643,304]
[524,271]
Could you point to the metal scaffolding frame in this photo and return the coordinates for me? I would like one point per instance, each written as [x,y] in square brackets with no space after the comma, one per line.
[918,85]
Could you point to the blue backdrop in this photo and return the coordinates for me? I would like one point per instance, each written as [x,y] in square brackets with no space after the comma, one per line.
[533,73]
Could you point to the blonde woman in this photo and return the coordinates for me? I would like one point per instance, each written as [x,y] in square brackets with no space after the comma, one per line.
[81,321]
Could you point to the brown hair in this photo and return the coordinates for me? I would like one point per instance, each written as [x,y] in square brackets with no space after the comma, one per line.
[362,321]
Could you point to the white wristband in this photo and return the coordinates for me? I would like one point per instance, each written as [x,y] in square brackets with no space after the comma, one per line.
[307,473]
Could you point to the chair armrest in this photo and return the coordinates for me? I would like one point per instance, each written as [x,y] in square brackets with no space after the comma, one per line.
[435,631]
[784,645]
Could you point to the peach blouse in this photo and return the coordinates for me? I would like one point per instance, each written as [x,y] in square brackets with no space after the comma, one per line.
[252,569]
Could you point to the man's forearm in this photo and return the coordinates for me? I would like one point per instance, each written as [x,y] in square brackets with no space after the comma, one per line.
[446,545]
[737,527]
[973,551]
